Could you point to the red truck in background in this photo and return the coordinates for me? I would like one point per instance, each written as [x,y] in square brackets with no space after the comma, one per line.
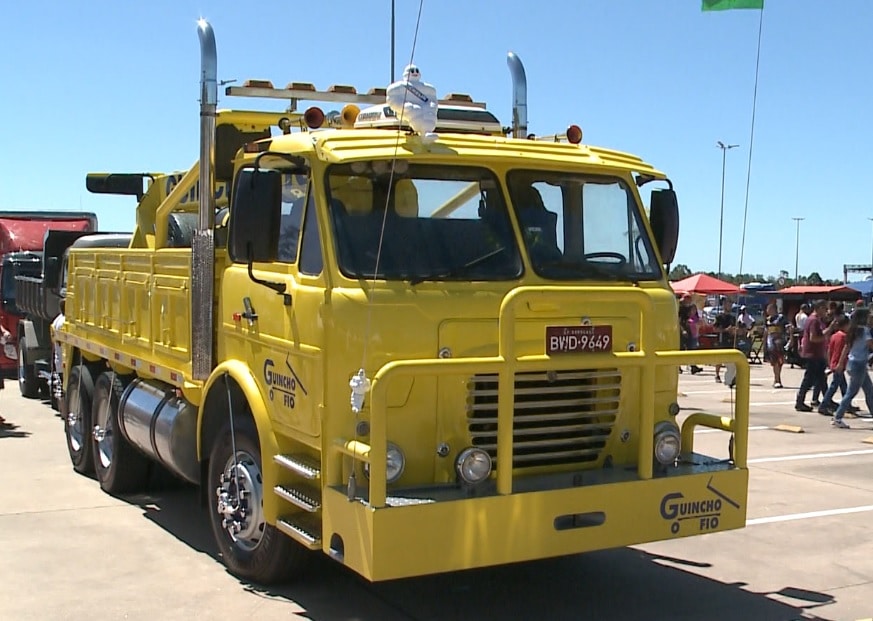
[21,243]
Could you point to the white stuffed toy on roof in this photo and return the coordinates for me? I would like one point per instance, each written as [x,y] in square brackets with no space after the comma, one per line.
[415,102]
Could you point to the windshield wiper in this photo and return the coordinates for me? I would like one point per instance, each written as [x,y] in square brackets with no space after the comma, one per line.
[458,270]
[586,269]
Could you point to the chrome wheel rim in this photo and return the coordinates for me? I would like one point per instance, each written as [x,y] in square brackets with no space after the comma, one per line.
[103,434]
[240,501]
[74,422]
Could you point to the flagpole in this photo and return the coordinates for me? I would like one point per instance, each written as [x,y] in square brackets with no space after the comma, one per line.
[751,138]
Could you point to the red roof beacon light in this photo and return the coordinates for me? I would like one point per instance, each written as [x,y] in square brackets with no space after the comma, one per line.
[313,117]
[574,134]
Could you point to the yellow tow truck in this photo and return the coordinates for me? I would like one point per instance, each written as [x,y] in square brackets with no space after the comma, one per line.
[415,354]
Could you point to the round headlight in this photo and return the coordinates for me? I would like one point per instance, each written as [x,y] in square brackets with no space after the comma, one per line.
[473,465]
[10,351]
[668,443]
[395,463]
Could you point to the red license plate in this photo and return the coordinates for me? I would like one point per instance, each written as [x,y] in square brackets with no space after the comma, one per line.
[578,339]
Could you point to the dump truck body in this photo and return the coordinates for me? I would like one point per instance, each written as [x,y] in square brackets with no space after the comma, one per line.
[21,240]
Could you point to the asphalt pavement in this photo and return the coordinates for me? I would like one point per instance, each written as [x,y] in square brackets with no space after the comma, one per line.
[71,551]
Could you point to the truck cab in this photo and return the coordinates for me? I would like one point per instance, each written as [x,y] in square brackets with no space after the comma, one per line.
[12,265]
[21,239]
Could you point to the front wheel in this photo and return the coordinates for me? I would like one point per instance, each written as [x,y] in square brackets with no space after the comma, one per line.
[251,548]
[77,422]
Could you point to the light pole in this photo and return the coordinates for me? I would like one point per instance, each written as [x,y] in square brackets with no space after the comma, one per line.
[871,255]
[797,248]
[724,149]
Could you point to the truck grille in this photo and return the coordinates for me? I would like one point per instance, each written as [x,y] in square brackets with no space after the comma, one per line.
[561,417]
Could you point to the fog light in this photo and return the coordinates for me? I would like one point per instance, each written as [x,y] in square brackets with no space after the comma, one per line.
[395,463]
[473,465]
[668,443]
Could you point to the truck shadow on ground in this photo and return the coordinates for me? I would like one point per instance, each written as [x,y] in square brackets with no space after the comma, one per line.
[620,584]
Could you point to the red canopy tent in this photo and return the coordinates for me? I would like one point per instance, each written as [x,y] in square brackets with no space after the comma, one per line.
[702,283]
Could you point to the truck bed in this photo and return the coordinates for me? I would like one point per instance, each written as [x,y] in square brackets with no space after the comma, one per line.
[33,298]
[135,304]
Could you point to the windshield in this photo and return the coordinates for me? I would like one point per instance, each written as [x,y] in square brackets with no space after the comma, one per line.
[581,227]
[423,222]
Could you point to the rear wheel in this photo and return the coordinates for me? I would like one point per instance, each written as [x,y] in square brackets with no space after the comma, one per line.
[77,422]
[119,467]
[28,383]
[251,548]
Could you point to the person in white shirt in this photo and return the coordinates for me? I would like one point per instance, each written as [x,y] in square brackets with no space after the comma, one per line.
[57,362]
[745,318]
[801,317]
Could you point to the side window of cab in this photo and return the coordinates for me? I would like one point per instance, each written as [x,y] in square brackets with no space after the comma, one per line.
[294,190]
[299,240]
[310,252]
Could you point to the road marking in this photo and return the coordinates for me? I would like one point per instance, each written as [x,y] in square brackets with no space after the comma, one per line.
[762,460]
[723,391]
[810,514]
[789,428]
[752,428]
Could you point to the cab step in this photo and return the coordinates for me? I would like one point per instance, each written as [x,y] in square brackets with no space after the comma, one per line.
[301,465]
[303,496]
[304,528]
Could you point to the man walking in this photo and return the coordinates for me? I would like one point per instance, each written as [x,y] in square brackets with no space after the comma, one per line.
[726,327]
[813,349]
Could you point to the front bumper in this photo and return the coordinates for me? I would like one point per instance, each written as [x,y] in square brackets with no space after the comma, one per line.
[431,537]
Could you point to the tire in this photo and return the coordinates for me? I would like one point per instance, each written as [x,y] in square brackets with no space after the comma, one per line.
[258,551]
[77,422]
[119,467]
[28,382]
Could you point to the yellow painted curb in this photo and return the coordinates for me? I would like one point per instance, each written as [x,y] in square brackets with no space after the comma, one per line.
[868,441]
[789,428]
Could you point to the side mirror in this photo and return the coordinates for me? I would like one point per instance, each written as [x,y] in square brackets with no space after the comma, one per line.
[664,218]
[126,184]
[255,214]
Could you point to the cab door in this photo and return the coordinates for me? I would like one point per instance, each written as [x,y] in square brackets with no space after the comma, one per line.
[279,332]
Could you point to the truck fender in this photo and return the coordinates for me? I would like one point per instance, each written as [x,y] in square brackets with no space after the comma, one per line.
[241,374]
[31,340]
[214,405]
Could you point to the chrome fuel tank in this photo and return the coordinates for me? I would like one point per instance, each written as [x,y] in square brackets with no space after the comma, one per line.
[162,425]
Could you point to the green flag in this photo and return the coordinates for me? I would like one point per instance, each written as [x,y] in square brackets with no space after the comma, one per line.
[726,5]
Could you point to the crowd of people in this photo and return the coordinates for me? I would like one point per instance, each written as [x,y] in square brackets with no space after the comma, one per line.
[833,342]
[730,331]
[832,345]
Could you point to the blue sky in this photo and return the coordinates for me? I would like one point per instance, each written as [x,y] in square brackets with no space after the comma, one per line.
[112,86]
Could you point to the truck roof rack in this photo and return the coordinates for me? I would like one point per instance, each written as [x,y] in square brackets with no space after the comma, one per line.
[305,91]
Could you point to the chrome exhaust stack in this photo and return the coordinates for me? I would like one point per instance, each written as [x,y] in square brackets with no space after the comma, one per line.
[519,96]
[203,245]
